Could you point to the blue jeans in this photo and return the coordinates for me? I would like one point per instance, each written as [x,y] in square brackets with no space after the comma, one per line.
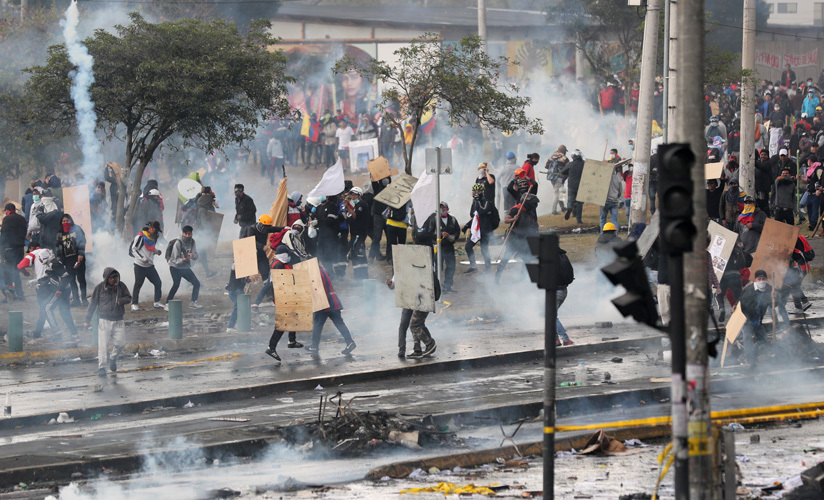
[653,191]
[233,296]
[626,204]
[812,210]
[781,297]
[560,331]
[611,207]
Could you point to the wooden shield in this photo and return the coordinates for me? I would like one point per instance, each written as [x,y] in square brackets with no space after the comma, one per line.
[399,191]
[209,231]
[595,180]
[774,250]
[722,243]
[293,300]
[379,169]
[245,255]
[649,235]
[76,204]
[713,170]
[319,299]
[414,282]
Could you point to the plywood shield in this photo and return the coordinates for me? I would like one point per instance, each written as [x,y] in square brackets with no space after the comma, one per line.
[399,191]
[722,243]
[774,250]
[209,231]
[595,180]
[76,204]
[293,300]
[713,170]
[734,325]
[649,235]
[319,299]
[245,255]
[414,283]
[379,169]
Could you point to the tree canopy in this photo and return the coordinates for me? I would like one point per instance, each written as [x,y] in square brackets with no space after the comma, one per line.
[207,83]
[458,80]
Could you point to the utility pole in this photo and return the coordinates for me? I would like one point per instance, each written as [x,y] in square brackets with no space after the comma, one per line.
[670,103]
[665,112]
[746,154]
[690,129]
[482,22]
[646,102]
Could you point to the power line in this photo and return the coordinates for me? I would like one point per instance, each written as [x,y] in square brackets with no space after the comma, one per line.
[186,2]
[741,28]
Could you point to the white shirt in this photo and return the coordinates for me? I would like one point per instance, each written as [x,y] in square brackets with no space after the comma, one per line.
[40,259]
[344,136]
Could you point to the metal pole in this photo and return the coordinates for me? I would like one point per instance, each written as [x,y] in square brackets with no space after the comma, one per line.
[672,72]
[665,96]
[690,129]
[730,481]
[646,103]
[244,312]
[679,382]
[438,210]
[15,331]
[746,154]
[175,319]
[482,23]
[548,259]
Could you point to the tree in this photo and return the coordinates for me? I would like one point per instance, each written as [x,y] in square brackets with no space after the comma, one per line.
[460,80]
[206,83]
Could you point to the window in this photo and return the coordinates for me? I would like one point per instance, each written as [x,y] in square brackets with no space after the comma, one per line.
[770,8]
[818,13]
[788,8]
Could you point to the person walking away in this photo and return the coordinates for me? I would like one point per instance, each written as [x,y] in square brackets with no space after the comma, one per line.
[12,245]
[450,231]
[109,299]
[755,300]
[45,219]
[505,200]
[245,210]
[143,249]
[180,254]
[71,250]
[523,221]
[783,199]
[274,153]
[357,217]
[423,343]
[282,258]
[613,197]
[333,313]
[573,171]
[484,219]
[566,275]
[397,222]
[555,167]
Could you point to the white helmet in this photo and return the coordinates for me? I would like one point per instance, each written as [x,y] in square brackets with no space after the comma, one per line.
[356,190]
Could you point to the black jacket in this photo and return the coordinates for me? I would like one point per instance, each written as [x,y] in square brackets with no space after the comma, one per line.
[714,203]
[109,301]
[261,233]
[359,224]
[484,208]
[603,248]
[763,176]
[754,304]
[245,210]
[751,236]
[573,170]
[427,234]
[13,231]
[50,224]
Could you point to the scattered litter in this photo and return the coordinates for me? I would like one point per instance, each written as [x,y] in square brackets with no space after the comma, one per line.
[415,474]
[163,324]
[77,475]
[319,388]
[453,489]
[516,464]
[636,496]
[52,422]
[327,489]
[97,388]
[215,462]
[755,438]
[223,493]
[601,444]
[96,417]
[434,470]
[114,414]
[156,353]
[616,359]
[603,324]
[634,442]
[64,418]
[286,400]
[189,405]
[386,478]
[137,355]
[75,360]
[735,426]
[406,439]
[228,419]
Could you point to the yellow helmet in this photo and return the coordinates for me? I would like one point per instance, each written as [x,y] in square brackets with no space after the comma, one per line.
[265,219]
[609,226]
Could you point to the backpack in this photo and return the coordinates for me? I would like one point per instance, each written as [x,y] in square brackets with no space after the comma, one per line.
[275,239]
[713,131]
[494,218]
[169,248]
[553,170]
[566,275]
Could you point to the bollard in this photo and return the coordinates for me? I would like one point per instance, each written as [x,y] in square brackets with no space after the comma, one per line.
[15,332]
[244,312]
[175,319]
[95,324]
[369,295]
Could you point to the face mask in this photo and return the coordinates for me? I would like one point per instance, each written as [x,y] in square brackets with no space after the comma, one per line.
[187,239]
[116,280]
[67,226]
[632,147]
[444,213]
[283,257]
[35,198]
[760,285]
[238,194]
[355,201]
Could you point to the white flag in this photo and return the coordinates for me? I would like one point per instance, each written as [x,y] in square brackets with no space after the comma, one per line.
[331,183]
[423,198]
[475,231]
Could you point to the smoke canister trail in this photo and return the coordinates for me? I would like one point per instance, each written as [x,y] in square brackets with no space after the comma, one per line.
[82,80]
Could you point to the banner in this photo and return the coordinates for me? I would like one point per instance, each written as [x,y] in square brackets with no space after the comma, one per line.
[779,61]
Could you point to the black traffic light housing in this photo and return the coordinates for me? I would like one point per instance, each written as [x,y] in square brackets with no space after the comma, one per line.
[675,192]
[628,271]
[544,272]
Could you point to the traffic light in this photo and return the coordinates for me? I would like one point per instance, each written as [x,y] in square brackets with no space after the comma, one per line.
[675,197]
[628,271]
[545,248]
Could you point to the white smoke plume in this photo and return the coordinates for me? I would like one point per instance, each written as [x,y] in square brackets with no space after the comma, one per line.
[82,80]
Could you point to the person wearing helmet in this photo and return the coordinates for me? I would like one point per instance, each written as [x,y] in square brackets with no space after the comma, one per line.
[520,185]
[749,225]
[487,180]
[450,231]
[329,219]
[261,231]
[283,258]
[483,215]
[245,209]
[523,222]
[614,199]
[357,216]
[573,171]
[715,128]
[605,243]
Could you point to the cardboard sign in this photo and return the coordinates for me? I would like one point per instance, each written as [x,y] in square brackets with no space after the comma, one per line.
[293,300]
[379,169]
[734,325]
[319,299]
[649,235]
[245,255]
[774,250]
[722,243]
[414,282]
[12,191]
[361,152]
[76,204]
[595,181]
[713,170]
[209,231]
[398,192]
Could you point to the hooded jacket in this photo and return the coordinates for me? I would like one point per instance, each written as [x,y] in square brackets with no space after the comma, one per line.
[109,301]
[573,170]
[179,250]
[245,210]
[783,195]
[71,244]
[143,249]
[603,247]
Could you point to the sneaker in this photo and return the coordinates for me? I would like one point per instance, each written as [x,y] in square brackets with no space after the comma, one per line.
[231,329]
[448,289]
[254,308]
[429,349]
[294,345]
[311,348]
[113,364]
[101,372]
[273,353]
[567,214]
[211,274]
[568,342]
[471,270]
[135,308]
[402,353]
[558,343]
[158,305]
[350,346]
[414,355]
[195,305]
[804,306]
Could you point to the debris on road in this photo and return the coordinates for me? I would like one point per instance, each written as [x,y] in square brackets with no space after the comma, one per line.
[601,444]
[453,489]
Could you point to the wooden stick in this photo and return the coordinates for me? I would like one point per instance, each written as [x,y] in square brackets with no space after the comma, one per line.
[606,145]
[815,229]
[772,307]
[512,224]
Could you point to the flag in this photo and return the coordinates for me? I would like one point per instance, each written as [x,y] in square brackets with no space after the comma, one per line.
[423,197]
[475,232]
[429,125]
[304,126]
[331,183]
